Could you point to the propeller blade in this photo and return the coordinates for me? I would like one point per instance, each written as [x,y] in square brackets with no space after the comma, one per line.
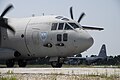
[9,7]
[5,25]
[3,21]
[81,16]
[92,28]
[9,27]
[71,13]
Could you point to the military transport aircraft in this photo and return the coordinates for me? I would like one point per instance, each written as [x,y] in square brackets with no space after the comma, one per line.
[89,60]
[57,37]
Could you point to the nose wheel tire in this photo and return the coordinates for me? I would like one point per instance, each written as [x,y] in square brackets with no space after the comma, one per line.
[10,63]
[22,63]
[56,64]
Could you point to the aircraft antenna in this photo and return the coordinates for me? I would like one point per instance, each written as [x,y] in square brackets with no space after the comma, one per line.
[33,15]
[43,14]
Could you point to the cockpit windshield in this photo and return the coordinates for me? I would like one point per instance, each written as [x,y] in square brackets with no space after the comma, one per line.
[74,25]
[64,26]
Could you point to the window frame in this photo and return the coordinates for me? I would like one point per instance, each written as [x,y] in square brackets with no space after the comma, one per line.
[69,26]
[62,28]
[52,29]
[65,37]
[59,37]
[72,26]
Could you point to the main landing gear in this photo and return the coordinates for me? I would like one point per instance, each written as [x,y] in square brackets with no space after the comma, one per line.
[22,63]
[11,63]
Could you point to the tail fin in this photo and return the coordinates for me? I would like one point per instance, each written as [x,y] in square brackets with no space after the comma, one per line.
[102,52]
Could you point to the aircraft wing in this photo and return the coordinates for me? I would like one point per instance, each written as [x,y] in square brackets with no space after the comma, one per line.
[92,28]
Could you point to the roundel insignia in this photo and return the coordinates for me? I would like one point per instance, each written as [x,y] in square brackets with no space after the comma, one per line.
[43,36]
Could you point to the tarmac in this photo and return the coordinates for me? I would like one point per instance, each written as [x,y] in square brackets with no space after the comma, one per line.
[66,71]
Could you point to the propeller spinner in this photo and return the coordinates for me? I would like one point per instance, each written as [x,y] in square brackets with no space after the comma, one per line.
[3,21]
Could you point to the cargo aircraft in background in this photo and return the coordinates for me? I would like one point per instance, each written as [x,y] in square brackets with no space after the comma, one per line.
[54,36]
[89,60]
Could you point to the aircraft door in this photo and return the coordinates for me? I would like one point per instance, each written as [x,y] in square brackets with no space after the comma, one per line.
[32,41]
[38,40]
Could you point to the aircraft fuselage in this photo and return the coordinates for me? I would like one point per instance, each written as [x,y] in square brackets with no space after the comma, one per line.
[34,37]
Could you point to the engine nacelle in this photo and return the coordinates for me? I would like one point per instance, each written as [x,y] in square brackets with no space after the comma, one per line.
[6,54]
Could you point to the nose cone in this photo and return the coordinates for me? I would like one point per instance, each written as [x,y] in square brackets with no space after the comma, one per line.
[85,42]
[90,42]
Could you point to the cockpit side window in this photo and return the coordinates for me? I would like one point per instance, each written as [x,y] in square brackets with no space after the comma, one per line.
[74,25]
[67,27]
[60,27]
[54,26]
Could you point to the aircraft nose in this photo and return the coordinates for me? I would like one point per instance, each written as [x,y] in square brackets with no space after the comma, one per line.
[90,41]
[87,41]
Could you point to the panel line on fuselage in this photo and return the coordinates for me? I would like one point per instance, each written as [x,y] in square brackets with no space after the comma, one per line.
[25,33]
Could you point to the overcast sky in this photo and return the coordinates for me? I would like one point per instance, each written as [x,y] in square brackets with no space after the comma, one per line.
[103,13]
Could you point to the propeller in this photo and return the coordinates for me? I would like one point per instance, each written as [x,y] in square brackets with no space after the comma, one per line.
[4,21]
[71,13]
[80,18]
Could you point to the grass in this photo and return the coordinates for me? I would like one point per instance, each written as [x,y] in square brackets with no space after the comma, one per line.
[54,76]
[10,72]
[8,78]
[60,76]
[103,76]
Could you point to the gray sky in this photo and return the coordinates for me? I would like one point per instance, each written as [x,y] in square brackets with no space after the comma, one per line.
[103,13]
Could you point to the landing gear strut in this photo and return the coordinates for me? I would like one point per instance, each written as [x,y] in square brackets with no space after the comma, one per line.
[56,62]
[22,63]
[10,63]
